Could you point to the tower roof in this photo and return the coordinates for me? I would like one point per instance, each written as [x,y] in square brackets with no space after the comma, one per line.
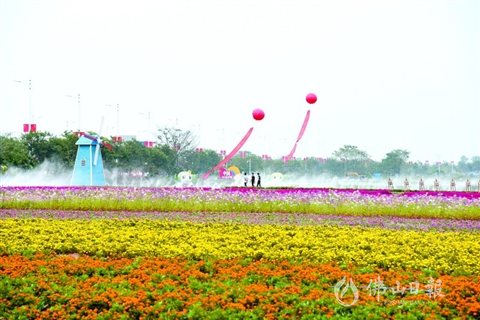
[85,141]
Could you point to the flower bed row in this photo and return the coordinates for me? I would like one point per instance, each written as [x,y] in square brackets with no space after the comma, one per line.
[61,287]
[293,219]
[313,201]
[447,252]
[149,253]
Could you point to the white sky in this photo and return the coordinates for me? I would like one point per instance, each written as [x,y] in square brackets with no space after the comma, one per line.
[388,74]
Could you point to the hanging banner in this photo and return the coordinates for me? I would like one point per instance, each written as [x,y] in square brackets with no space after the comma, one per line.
[300,135]
[231,154]
[290,155]
[304,126]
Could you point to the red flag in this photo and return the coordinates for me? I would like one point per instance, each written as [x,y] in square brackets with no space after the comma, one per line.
[25,128]
[33,127]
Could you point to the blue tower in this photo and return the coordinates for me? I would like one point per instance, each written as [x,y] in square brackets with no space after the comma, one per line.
[88,169]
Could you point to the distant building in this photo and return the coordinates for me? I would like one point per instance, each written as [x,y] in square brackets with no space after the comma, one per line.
[123,138]
[128,138]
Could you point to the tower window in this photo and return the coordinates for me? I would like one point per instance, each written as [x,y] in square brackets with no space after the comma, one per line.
[84,162]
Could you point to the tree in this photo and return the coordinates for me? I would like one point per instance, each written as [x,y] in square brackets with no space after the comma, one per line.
[353,158]
[157,161]
[199,162]
[181,141]
[177,139]
[39,146]
[131,155]
[65,148]
[463,164]
[171,168]
[394,161]
[250,161]
[14,153]
[476,163]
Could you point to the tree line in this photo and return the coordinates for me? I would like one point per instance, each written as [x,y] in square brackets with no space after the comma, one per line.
[177,150]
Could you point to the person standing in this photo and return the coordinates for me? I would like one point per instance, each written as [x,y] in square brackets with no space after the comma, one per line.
[259,179]
[421,184]
[253,179]
[452,186]
[245,179]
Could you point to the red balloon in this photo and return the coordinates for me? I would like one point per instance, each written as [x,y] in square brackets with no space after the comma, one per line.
[311,98]
[258,114]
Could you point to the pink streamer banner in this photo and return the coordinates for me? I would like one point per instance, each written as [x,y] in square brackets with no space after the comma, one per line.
[231,154]
[300,135]
[290,155]
[304,126]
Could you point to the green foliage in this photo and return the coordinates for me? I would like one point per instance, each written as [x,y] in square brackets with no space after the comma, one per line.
[14,153]
[65,148]
[175,152]
[394,161]
[352,157]
[38,145]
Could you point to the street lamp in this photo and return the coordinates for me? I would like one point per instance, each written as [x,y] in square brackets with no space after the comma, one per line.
[249,165]
[79,115]
[69,122]
[29,97]
[118,111]
[109,130]
[148,132]
[33,118]
[221,137]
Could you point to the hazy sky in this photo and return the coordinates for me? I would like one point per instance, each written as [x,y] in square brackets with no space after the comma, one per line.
[388,74]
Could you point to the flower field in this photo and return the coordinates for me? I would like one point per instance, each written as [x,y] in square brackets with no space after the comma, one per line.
[238,253]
